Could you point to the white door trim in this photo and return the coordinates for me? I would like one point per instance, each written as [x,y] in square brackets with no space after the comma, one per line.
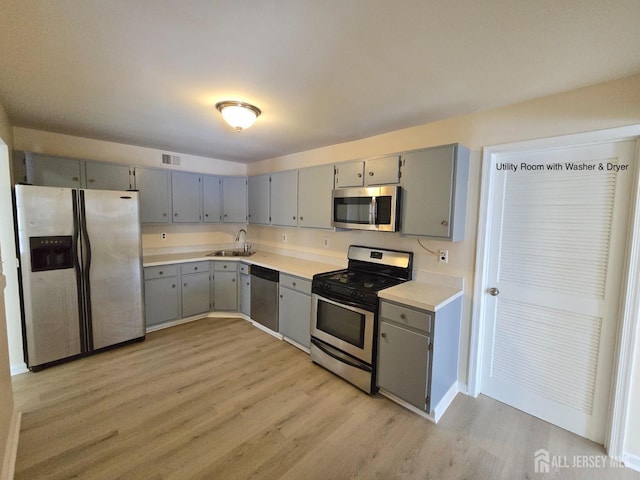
[630,306]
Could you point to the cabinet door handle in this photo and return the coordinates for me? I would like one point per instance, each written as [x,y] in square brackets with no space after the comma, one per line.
[225,215]
[206,214]
[383,335]
[494,292]
[294,217]
[301,218]
[91,180]
[224,266]
[444,223]
[371,174]
[233,280]
[195,268]
[294,284]
[185,285]
[281,296]
[164,214]
[175,214]
[403,316]
[173,286]
[160,273]
[359,175]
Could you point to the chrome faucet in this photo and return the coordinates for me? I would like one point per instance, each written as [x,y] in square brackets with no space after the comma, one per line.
[245,246]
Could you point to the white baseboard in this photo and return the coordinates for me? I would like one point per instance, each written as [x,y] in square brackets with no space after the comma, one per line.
[19,369]
[443,404]
[297,345]
[406,405]
[267,330]
[11,449]
[631,461]
[436,412]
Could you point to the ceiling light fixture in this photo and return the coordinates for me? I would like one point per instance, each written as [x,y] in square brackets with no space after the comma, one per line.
[239,115]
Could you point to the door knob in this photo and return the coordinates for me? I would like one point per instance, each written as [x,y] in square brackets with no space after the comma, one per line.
[494,291]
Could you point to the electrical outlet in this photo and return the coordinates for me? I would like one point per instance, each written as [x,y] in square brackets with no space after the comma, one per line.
[163,236]
[443,256]
[284,237]
[325,242]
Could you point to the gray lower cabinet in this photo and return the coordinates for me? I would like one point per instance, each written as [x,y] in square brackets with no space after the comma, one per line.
[154,193]
[294,309]
[434,197]
[418,352]
[245,289]
[161,294]
[225,286]
[196,288]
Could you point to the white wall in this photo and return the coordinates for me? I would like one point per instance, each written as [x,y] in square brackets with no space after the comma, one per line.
[30,140]
[9,303]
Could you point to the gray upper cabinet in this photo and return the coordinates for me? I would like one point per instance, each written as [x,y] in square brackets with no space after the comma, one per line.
[186,197]
[211,199]
[284,198]
[435,183]
[234,199]
[155,198]
[315,185]
[108,176]
[350,174]
[52,171]
[258,212]
[371,172]
[382,170]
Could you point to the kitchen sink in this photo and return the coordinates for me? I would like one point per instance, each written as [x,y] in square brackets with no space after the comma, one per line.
[231,253]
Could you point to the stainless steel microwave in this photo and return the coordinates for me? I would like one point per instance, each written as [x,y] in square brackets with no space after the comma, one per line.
[372,208]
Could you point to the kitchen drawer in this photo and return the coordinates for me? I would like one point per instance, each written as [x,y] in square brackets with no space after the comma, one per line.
[161,271]
[406,316]
[194,267]
[225,266]
[295,283]
[244,269]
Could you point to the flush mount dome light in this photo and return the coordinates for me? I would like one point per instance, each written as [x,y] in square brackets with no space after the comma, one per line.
[239,115]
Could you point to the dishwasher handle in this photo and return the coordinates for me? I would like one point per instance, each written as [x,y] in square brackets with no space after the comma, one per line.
[265,273]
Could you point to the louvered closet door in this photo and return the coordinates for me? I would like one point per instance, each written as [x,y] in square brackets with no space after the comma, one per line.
[557,243]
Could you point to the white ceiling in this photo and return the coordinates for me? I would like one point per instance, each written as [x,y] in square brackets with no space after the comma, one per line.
[148,72]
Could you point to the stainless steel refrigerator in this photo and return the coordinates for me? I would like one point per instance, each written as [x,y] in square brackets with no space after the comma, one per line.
[81,271]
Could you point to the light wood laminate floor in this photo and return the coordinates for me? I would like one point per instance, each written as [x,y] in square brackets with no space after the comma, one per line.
[219,399]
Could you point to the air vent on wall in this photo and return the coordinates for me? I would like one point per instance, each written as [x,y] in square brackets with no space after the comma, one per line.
[170,159]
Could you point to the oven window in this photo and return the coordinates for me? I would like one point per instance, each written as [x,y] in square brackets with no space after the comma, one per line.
[341,323]
[352,210]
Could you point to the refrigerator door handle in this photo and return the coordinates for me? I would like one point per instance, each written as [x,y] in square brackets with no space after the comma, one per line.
[86,254]
[78,265]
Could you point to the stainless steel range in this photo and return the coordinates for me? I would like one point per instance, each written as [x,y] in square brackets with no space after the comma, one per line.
[344,320]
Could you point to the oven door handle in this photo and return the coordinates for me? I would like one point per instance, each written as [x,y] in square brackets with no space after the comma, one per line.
[356,307]
[339,358]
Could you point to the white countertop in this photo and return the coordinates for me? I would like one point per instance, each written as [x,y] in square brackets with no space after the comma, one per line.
[283,263]
[426,296]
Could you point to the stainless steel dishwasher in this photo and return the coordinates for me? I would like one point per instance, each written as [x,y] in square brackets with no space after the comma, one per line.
[264,296]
